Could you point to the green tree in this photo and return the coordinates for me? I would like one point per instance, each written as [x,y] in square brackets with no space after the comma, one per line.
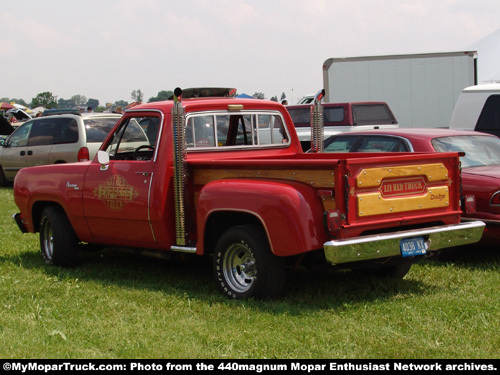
[65,103]
[283,96]
[79,100]
[162,95]
[259,95]
[274,98]
[94,103]
[137,95]
[44,99]
[121,103]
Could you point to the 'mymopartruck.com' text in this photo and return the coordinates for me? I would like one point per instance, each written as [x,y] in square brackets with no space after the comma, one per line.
[247,366]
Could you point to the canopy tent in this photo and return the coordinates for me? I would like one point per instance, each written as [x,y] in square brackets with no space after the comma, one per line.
[245,96]
[5,105]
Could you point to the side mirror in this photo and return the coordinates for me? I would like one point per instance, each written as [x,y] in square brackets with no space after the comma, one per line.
[103,159]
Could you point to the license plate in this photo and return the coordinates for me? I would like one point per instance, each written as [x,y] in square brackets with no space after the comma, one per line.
[412,246]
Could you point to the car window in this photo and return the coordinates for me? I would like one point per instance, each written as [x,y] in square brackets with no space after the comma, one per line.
[479,150]
[66,130]
[372,114]
[131,142]
[341,144]
[42,133]
[242,129]
[490,115]
[300,116]
[97,129]
[382,144]
[333,114]
[20,136]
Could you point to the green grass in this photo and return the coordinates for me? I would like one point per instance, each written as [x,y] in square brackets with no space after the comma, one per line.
[118,305]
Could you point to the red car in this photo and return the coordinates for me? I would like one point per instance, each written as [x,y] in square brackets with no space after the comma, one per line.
[480,164]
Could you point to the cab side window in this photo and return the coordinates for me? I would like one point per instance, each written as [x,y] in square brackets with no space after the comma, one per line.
[133,141]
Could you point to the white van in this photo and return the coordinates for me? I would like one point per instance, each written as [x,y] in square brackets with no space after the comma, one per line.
[478,108]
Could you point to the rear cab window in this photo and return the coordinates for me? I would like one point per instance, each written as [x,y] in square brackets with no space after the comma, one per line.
[372,114]
[228,130]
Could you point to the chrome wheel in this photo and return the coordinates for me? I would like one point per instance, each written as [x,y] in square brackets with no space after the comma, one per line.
[47,239]
[244,265]
[238,267]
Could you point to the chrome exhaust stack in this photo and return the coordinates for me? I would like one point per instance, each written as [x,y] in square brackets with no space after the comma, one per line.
[317,124]
[179,148]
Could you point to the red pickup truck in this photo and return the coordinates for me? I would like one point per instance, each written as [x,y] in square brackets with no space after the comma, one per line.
[226,177]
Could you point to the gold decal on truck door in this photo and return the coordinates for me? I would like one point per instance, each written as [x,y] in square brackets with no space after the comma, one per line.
[115,193]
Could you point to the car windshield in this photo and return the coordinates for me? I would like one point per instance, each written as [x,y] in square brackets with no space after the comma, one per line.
[98,128]
[479,150]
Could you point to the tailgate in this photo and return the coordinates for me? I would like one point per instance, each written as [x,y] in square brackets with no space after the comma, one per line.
[403,190]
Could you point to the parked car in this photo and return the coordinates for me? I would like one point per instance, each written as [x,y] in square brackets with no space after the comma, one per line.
[480,164]
[53,139]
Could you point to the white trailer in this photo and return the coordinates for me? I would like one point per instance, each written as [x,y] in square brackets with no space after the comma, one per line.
[421,89]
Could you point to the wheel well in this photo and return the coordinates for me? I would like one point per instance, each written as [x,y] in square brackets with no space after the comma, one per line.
[36,213]
[219,222]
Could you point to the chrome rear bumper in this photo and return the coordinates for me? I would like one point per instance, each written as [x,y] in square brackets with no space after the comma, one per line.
[387,244]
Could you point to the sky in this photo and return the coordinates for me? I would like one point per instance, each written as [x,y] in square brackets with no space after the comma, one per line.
[105,49]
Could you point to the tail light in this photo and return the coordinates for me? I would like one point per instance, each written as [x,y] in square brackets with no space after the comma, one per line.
[470,204]
[495,199]
[495,203]
[333,221]
[83,154]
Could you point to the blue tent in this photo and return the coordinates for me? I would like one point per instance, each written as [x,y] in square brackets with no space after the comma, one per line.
[245,96]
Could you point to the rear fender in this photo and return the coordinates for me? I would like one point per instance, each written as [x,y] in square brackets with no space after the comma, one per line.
[290,212]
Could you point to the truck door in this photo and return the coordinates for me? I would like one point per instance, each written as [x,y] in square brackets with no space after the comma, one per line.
[117,195]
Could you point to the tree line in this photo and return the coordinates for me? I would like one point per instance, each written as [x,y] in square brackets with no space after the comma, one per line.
[49,100]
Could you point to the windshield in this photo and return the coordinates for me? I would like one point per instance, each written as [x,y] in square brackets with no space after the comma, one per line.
[480,150]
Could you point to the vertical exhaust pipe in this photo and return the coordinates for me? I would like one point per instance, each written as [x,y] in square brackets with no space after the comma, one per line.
[317,123]
[179,148]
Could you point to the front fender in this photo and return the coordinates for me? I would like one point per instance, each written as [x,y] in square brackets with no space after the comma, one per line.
[290,212]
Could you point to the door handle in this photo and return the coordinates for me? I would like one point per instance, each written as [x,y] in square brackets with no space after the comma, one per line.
[145,174]
[30,152]
[22,153]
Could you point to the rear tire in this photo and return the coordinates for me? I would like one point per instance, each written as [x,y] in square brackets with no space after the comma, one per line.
[244,265]
[58,241]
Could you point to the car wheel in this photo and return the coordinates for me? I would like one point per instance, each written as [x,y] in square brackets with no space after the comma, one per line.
[58,241]
[244,265]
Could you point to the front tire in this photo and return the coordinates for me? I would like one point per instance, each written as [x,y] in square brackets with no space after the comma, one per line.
[244,265]
[58,241]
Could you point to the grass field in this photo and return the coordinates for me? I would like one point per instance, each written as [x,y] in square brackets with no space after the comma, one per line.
[119,305]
